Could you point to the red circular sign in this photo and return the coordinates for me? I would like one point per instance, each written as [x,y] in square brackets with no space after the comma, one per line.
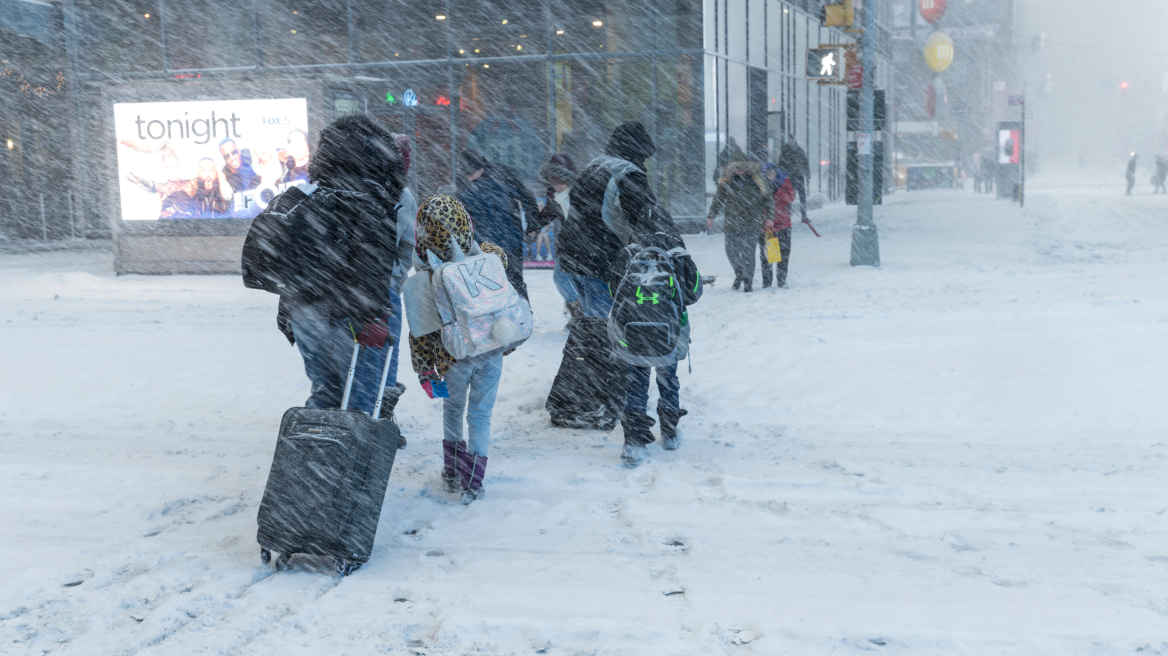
[932,10]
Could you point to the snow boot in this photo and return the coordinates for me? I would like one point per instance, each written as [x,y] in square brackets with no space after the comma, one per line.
[633,455]
[575,312]
[737,284]
[451,458]
[637,436]
[670,438]
[389,401]
[475,467]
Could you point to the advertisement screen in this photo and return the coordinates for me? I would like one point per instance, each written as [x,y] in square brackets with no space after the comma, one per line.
[1008,146]
[219,159]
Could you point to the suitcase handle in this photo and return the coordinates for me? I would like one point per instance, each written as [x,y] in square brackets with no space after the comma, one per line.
[353,370]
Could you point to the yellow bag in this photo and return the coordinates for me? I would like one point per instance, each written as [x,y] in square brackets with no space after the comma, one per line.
[774,251]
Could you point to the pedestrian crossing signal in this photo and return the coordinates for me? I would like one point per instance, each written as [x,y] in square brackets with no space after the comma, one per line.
[825,64]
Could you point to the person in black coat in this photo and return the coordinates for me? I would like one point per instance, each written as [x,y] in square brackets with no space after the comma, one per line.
[793,162]
[587,248]
[1131,173]
[558,175]
[339,260]
[493,196]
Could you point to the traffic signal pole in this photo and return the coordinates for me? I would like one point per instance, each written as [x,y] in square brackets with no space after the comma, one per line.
[865,244]
[1022,155]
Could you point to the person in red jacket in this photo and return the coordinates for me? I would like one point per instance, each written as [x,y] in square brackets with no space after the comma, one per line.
[778,225]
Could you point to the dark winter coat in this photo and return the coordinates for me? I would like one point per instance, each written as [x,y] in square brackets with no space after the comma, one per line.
[783,197]
[343,251]
[744,197]
[338,247]
[523,200]
[793,161]
[586,246]
[492,208]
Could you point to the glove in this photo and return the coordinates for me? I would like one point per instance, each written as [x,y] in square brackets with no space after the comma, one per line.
[427,381]
[374,334]
[710,225]
[770,224]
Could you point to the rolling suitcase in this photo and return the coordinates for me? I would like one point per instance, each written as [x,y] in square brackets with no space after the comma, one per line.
[328,480]
[590,386]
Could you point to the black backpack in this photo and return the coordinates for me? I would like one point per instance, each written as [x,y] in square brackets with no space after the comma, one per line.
[267,243]
[646,321]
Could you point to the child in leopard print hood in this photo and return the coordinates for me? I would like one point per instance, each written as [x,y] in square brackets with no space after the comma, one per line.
[442,222]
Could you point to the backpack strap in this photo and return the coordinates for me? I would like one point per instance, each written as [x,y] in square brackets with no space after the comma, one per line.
[610,210]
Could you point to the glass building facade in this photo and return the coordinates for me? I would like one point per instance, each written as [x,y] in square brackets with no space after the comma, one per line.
[516,79]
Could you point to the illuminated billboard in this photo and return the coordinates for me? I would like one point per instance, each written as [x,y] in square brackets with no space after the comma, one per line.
[1009,145]
[218,159]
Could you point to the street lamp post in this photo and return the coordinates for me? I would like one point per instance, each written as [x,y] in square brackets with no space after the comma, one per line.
[865,244]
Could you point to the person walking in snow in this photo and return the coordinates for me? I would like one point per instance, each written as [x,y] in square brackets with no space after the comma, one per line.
[793,162]
[559,174]
[778,225]
[1131,173]
[592,250]
[1161,175]
[989,170]
[339,262]
[443,224]
[491,198]
[588,245]
[745,198]
[407,210]
[657,233]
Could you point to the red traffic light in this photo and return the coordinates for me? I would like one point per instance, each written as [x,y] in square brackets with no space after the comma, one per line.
[1123,85]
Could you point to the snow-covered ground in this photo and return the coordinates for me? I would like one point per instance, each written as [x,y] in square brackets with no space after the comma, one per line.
[961,452]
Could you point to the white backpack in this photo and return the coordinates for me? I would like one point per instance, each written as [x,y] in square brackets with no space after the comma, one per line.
[481,312]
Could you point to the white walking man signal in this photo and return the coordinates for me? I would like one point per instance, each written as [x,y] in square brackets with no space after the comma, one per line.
[827,64]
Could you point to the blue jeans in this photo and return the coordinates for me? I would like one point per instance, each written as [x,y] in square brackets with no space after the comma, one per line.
[364,395]
[479,381]
[637,393]
[564,285]
[594,294]
[328,350]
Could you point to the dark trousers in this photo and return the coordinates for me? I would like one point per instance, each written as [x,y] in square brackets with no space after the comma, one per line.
[740,252]
[780,271]
[327,349]
[515,271]
[800,186]
[637,401]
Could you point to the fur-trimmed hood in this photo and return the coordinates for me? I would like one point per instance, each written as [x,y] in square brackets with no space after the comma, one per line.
[744,168]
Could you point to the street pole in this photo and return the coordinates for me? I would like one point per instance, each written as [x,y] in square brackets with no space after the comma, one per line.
[1022,155]
[865,245]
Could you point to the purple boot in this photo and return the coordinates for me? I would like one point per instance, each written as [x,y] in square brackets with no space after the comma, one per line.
[452,453]
[471,469]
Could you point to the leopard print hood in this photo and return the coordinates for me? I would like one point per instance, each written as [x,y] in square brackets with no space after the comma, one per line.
[441,217]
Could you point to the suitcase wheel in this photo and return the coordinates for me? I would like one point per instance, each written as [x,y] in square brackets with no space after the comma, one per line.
[282,563]
[345,567]
[265,556]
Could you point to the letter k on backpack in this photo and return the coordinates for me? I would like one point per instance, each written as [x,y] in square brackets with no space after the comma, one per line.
[481,312]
